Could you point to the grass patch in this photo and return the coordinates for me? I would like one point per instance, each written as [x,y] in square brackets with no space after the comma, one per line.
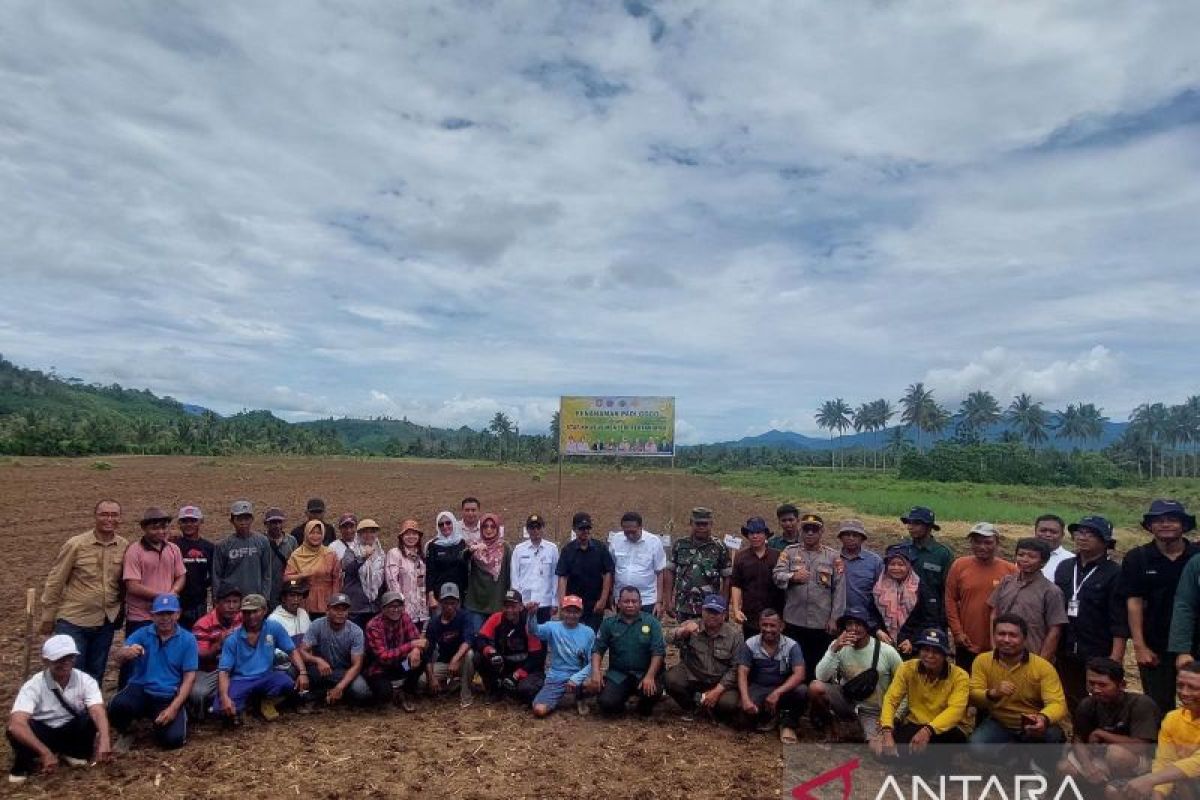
[102,466]
[883,494]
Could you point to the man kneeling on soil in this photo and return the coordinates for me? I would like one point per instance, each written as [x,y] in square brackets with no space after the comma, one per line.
[634,641]
[397,653]
[247,664]
[770,678]
[837,691]
[164,659]
[936,692]
[511,659]
[1176,769]
[570,654]
[333,650]
[706,675]
[1114,730]
[58,711]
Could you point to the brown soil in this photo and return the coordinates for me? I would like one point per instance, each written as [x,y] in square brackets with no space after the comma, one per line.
[441,751]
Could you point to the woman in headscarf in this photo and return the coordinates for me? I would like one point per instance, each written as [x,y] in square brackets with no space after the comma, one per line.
[363,573]
[444,559]
[488,575]
[405,572]
[903,601]
[316,562]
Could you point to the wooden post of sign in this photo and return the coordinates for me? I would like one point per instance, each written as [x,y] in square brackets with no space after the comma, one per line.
[29,602]
[558,503]
[671,519]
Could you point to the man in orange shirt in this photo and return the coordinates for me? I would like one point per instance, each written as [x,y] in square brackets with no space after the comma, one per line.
[969,584]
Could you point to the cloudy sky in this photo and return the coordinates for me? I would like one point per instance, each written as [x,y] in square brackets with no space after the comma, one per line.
[442,210]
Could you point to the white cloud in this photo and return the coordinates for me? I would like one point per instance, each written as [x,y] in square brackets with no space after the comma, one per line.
[467,209]
[1006,374]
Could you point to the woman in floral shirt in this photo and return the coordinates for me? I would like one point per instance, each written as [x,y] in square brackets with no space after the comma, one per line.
[405,572]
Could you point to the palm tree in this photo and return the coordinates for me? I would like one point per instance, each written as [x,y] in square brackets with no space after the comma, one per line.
[1150,420]
[500,427]
[863,419]
[922,412]
[1068,423]
[896,444]
[978,412]
[1192,404]
[881,414]
[1029,418]
[834,415]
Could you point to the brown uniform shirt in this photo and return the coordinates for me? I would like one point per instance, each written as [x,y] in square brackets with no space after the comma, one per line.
[710,660]
[1038,601]
[84,585]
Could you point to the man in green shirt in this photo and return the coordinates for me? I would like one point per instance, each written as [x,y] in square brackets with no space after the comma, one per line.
[705,679]
[930,558]
[634,641]
[698,566]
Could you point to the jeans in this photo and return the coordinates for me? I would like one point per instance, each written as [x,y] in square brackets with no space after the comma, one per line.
[76,738]
[789,708]
[475,620]
[133,703]
[93,644]
[989,737]
[357,692]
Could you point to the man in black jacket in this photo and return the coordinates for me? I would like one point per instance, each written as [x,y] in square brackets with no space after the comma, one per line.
[510,659]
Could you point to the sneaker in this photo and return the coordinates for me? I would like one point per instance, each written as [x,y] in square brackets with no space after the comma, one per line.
[268,707]
[466,702]
[122,744]
[16,777]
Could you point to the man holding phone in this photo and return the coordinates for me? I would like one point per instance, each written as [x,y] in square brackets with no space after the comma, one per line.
[1020,691]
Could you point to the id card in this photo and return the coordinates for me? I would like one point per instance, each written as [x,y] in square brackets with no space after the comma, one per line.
[1072,608]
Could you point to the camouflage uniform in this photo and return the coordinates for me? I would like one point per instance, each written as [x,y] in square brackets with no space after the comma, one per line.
[699,567]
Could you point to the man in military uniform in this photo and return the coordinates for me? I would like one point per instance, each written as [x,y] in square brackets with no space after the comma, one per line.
[811,575]
[705,679]
[698,566]
[930,558]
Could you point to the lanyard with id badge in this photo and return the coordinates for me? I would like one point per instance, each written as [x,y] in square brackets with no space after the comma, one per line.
[1076,585]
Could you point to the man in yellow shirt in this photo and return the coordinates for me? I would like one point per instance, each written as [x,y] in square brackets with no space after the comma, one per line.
[936,691]
[1177,761]
[1020,692]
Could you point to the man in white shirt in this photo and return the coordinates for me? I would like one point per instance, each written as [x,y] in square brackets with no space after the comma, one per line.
[59,711]
[640,559]
[290,613]
[534,561]
[1051,529]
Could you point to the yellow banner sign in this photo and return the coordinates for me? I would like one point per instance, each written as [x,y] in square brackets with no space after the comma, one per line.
[617,426]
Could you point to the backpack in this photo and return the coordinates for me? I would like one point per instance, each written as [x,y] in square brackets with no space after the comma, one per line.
[862,685]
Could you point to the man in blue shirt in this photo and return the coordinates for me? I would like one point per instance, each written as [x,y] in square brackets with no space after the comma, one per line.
[770,678]
[863,568]
[247,663]
[569,665]
[162,660]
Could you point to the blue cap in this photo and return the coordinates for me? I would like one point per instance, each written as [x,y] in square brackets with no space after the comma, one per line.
[1163,508]
[1095,523]
[164,602]
[714,602]
[755,525]
[920,514]
[933,637]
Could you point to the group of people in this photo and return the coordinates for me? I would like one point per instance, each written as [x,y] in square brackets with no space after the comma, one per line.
[908,648]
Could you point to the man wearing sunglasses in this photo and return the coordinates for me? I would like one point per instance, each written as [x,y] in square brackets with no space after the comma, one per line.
[585,569]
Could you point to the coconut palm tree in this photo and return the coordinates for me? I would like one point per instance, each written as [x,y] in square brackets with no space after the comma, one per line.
[1150,420]
[1029,418]
[500,427]
[919,410]
[978,412]
[834,415]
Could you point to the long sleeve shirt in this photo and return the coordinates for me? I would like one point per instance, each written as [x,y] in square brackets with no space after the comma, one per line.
[939,702]
[1178,746]
[84,585]
[821,598]
[532,570]
[244,562]
[390,642]
[710,660]
[1185,618]
[209,632]
[514,642]
[1039,690]
[406,575]
[570,650]
[848,662]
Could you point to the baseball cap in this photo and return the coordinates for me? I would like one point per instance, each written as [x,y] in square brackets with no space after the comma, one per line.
[852,526]
[1163,507]
[315,505]
[582,519]
[449,590]
[227,589]
[274,514]
[702,514]
[241,507]
[338,599]
[190,512]
[933,637]
[920,514]
[1095,523]
[985,529]
[714,602]
[295,586]
[154,514]
[535,521]
[389,598]
[367,524]
[347,518]
[164,602]
[253,602]
[755,525]
[573,601]
[513,596]
[59,646]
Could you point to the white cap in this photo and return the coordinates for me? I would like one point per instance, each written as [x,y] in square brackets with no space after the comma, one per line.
[983,529]
[59,646]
